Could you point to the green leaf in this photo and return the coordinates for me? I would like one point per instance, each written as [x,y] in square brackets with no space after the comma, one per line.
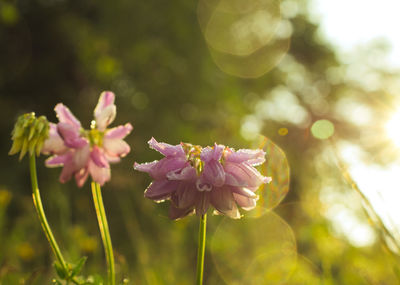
[60,271]
[78,267]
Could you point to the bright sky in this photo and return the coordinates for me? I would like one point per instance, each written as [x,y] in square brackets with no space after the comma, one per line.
[349,23]
[380,184]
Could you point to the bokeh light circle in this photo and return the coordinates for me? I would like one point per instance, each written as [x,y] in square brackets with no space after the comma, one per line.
[245,38]
[322,129]
[277,167]
[305,272]
[238,27]
[255,64]
[283,131]
[254,250]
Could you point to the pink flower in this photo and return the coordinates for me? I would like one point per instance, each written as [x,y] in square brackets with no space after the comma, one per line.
[194,178]
[83,152]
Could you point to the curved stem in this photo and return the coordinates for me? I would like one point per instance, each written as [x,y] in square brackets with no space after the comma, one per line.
[201,249]
[37,201]
[104,230]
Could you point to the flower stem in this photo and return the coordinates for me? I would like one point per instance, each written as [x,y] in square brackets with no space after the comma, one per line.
[37,201]
[201,249]
[105,232]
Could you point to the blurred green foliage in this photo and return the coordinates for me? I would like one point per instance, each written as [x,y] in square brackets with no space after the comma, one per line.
[155,58]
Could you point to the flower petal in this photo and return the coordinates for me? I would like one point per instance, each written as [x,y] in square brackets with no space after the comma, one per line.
[202,202]
[116,147]
[145,167]
[212,153]
[67,171]
[106,117]
[81,176]
[99,174]
[222,199]
[105,110]
[119,132]
[244,202]
[244,175]
[159,169]
[160,189]
[233,181]
[253,157]
[106,99]
[98,157]
[54,144]
[111,158]
[71,136]
[185,195]
[186,173]
[166,149]
[176,213]
[232,213]
[244,192]
[203,186]
[58,160]
[81,157]
[64,115]
[213,173]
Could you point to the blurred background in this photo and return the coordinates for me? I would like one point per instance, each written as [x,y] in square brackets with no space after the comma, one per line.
[318,78]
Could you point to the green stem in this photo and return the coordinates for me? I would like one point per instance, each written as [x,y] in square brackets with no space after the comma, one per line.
[201,249]
[37,201]
[105,232]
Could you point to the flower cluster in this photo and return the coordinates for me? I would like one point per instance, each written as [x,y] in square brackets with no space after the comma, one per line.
[82,152]
[29,134]
[194,178]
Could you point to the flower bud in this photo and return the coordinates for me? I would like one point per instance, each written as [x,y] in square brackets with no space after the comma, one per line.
[29,134]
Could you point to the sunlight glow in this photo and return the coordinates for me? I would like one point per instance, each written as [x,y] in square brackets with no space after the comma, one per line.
[393,128]
[342,210]
[348,24]
[380,184]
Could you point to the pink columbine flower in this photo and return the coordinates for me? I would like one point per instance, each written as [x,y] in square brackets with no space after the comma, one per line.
[83,152]
[194,178]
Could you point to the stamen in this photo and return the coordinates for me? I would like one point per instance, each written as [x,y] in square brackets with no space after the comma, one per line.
[93,124]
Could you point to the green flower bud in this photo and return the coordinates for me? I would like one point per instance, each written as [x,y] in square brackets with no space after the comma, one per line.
[29,134]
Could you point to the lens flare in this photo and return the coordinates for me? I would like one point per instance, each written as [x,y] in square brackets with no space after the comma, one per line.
[263,250]
[393,128]
[245,38]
